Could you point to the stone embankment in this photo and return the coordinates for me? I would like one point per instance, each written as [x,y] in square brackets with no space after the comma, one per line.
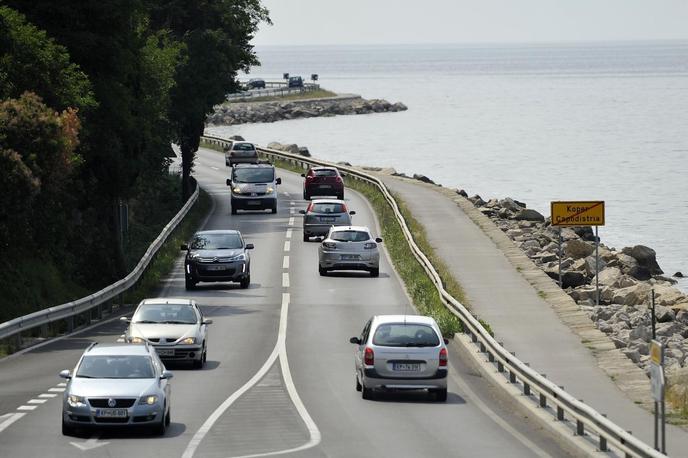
[251,112]
[626,280]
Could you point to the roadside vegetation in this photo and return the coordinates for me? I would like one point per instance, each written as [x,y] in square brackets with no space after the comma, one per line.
[316,94]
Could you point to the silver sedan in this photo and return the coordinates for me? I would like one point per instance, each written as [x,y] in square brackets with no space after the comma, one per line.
[322,214]
[401,352]
[117,385]
[349,248]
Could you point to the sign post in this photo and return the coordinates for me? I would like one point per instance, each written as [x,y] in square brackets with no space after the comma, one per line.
[657,383]
[580,213]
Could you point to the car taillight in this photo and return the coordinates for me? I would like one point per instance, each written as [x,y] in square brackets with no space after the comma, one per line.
[369,357]
[310,208]
[443,357]
[370,245]
[345,209]
[330,245]
[309,177]
[338,179]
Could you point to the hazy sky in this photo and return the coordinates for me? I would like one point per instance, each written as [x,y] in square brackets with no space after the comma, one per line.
[303,22]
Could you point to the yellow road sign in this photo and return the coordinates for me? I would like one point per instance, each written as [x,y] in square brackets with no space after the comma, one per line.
[655,352]
[578,213]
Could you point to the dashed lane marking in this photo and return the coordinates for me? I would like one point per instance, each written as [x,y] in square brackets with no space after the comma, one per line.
[285,280]
[291,221]
[62,384]
[47,395]
[285,262]
[289,233]
[37,401]
[56,390]
[287,245]
[292,203]
[26,407]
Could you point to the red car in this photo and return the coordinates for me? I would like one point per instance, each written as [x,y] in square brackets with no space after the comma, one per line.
[323,181]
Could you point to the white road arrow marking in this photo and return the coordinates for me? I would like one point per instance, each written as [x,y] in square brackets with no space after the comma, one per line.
[9,418]
[90,444]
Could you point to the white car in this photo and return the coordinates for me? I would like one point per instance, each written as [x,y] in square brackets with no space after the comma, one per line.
[176,329]
[401,352]
[349,248]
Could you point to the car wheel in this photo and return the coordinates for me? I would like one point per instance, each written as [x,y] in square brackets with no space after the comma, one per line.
[366,393]
[234,211]
[322,271]
[189,284]
[66,429]
[274,209]
[245,282]
[198,363]
[168,417]
[159,429]
[359,387]
[440,395]
[375,272]
[340,196]
[305,237]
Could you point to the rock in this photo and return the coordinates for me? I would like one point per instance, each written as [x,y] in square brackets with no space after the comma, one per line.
[349,165]
[303,151]
[633,355]
[602,312]
[633,295]
[624,281]
[238,138]
[477,200]
[643,348]
[640,272]
[646,257]
[585,232]
[678,275]
[422,178]
[608,276]
[545,256]
[669,329]
[530,244]
[510,204]
[578,264]
[578,249]
[529,214]
[618,343]
[462,193]
[664,314]
[662,278]
[571,278]
[643,333]
[668,295]
[589,265]
[275,145]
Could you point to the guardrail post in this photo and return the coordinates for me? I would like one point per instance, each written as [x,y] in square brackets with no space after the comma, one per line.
[482,347]
[580,429]
[543,398]
[627,455]
[490,357]
[560,410]
[17,341]
[500,366]
[70,324]
[603,440]
[474,337]
[512,376]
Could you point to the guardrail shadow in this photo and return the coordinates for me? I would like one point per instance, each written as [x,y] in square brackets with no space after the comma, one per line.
[415,397]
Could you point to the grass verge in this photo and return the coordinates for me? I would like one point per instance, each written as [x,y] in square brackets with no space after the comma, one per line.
[317,94]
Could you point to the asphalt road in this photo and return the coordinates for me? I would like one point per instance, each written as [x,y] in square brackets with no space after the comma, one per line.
[279,377]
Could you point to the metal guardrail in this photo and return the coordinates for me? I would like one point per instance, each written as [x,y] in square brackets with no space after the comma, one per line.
[585,417]
[71,309]
[276,89]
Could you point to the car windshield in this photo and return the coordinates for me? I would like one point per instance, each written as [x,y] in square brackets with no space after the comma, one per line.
[350,236]
[405,335]
[243,147]
[328,208]
[165,313]
[115,366]
[325,173]
[254,175]
[216,242]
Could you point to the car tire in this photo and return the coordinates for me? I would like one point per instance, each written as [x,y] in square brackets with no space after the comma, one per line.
[340,196]
[189,284]
[168,417]
[375,272]
[440,395]
[234,211]
[306,238]
[322,271]
[245,283]
[159,429]
[66,429]
[198,363]
[366,393]
[273,210]
[359,387]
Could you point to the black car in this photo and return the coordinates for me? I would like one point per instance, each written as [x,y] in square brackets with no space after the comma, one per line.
[219,255]
[256,83]
[295,81]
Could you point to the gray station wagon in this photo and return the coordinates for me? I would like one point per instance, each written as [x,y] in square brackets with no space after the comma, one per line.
[322,214]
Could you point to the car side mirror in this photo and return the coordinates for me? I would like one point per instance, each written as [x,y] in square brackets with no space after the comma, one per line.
[184,247]
[355,340]
[446,341]
[229,182]
[65,374]
[278,181]
[207,321]
[166,375]
[124,319]
[303,212]
[352,212]
[378,240]
[303,175]
[249,246]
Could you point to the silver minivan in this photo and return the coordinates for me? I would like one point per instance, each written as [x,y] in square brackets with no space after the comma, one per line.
[253,187]
[401,352]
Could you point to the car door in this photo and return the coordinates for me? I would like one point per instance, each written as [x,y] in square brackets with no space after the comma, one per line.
[360,349]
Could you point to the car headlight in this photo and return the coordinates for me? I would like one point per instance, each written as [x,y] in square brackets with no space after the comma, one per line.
[236,190]
[194,256]
[150,400]
[76,401]
[136,340]
[270,190]
[239,257]
[189,341]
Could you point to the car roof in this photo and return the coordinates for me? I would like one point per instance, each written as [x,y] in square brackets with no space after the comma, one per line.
[350,228]
[238,142]
[218,231]
[253,166]
[168,300]
[413,319]
[119,349]
[324,168]
[327,201]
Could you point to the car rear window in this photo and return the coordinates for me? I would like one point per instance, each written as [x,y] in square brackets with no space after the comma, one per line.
[328,208]
[350,236]
[165,313]
[405,335]
[116,366]
[216,242]
[243,147]
[325,173]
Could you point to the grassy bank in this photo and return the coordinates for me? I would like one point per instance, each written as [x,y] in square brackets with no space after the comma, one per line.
[316,94]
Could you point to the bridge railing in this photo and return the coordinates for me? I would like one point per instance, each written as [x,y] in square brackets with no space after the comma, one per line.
[273,88]
[583,418]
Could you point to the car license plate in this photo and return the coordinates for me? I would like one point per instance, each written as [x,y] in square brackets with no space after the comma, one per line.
[112,413]
[349,257]
[165,351]
[327,220]
[406,367]
[253,202]
[325,186]
[216,267]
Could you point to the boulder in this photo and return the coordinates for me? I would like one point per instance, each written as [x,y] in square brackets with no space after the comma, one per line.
[640,273]
[238,138]
[577,249]
[633,295]
[545,256]
[422,178]
[668,295]
[572,279]
[664,314]
[477,200]
[578,264]
[462,193]
[510,204]
[590,265]
[529,214]
[671,328]
[633,355]
[624,281]
[642,332]
[678,274]
[303,151]
[587,292]
[608,276]
[662,278]
[646,257]
[682,316]
[530,244]
[585,232]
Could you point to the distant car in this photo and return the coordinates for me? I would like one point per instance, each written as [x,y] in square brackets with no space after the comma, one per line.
[240,152]
[116,385]
[323,181]
[253,187]
[322,214]
[349,248]
[295,81]
[401,352]
[256,83]
[219,255]
[175,327]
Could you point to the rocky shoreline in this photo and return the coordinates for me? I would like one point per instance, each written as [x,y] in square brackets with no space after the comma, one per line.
[253,112]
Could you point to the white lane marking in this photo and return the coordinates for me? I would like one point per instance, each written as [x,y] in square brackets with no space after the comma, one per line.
[9,419]
[90,444]
[291,221]
[47,395]
[37,401]
[26,407]
[286,193]
[56,390]
[469,393]
[61,384]
[292,211]
[287,245]
[289,233]
[285,262]
[285,280]
[292,203]
[214,168]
